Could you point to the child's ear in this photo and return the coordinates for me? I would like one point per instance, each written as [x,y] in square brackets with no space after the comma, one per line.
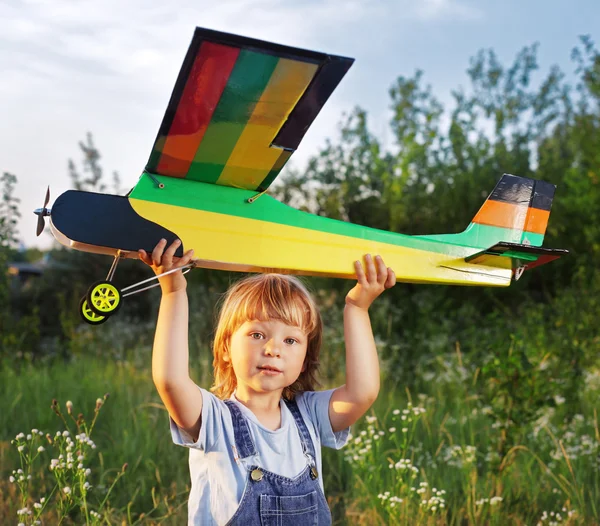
[225,357]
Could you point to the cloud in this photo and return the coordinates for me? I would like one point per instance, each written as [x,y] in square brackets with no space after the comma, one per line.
[96,40]
[446,9]
[109,66]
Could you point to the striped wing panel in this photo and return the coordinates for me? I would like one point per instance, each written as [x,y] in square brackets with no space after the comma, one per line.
[240,108]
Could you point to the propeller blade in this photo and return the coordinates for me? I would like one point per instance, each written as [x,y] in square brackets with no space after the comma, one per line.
[47,197]
[41,223]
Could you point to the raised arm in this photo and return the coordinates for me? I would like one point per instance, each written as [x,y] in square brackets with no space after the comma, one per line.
[350,401]
[170,354]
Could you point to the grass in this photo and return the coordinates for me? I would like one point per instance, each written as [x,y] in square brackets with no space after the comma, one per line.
[450,465]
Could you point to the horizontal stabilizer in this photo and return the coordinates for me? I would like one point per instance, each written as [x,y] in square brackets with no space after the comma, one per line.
[515,256]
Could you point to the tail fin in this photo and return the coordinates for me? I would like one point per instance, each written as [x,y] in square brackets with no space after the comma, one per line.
[520,206]
[516,211]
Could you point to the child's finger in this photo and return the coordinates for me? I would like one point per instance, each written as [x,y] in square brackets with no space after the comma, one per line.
[360,273]
[170,252]
[391,279]
[144,256]
[371,271]
[382,271]
[158,252]
[186,258]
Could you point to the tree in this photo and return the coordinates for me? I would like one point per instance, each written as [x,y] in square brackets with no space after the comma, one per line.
[91,166]
[435,177]
[9,211]
[9,215]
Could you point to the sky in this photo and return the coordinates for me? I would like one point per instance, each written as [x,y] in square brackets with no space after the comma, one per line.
[108,67]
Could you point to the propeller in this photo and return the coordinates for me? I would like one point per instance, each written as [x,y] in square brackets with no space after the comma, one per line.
[41,212]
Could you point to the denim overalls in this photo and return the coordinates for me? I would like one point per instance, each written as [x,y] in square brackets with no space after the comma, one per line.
[270,499]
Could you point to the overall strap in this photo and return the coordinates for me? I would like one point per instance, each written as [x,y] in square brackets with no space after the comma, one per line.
[307,443]
[243,439]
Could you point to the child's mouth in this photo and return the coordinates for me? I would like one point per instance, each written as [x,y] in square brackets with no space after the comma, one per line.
[269,371]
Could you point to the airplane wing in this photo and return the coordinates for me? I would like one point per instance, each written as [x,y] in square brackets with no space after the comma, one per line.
[240,108]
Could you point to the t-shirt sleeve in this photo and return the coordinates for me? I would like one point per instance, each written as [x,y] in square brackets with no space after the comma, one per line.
[316,404]
[213,413]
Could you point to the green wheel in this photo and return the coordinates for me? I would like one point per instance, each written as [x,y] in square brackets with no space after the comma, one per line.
[88,315]
[104,298]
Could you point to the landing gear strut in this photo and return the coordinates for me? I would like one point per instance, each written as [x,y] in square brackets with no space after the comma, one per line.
[103,298]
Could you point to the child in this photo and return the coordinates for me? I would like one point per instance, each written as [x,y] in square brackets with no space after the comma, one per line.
[255,448]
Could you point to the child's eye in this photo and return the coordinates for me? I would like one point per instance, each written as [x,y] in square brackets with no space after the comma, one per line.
[256,335]
[290,341]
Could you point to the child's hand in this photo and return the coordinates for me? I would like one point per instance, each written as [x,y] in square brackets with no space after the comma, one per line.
[163,260]
[371,284]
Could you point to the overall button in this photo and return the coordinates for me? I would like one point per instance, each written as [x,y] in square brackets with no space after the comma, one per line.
[256,475]
[313,473]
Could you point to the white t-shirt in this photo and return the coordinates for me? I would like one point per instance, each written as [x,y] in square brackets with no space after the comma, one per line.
[218,480]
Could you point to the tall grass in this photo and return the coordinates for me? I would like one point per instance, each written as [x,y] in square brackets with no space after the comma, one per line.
[455,458]
[447,451]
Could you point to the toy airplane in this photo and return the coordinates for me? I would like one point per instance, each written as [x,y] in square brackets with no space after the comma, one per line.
[239,109]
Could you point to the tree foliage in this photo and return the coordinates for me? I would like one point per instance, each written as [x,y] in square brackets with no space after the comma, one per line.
[441,165]
[92,178]
[9,211]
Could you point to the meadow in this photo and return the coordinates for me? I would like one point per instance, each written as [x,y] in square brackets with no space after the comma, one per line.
[434,450]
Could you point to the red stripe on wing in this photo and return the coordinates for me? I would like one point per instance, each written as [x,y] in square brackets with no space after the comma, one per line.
[203,89]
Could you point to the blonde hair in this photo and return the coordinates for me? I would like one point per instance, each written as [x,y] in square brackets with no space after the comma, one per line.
[266,297]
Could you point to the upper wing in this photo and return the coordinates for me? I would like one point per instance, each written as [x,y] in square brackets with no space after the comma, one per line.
[240,108]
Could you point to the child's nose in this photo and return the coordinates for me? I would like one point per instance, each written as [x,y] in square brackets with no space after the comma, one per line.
[272,349]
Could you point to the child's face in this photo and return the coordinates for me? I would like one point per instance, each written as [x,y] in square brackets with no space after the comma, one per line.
[266,356]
